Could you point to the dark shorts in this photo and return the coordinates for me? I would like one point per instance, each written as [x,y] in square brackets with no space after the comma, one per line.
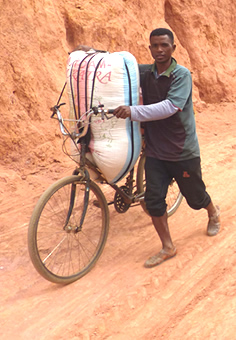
[187,174]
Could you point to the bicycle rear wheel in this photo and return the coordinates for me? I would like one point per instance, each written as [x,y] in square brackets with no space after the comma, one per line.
[173,197]
[62,245]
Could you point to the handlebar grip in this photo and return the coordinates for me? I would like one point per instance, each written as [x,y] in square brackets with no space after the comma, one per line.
[100,109]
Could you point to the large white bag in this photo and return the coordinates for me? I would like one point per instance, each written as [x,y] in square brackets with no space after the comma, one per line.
[111,79]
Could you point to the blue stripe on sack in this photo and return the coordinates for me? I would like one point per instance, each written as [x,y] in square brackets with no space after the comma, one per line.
[136,135]
[131,63]
[132,128]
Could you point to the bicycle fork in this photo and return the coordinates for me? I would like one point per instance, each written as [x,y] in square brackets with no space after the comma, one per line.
[86,179]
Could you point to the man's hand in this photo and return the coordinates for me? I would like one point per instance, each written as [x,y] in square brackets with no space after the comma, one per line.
[122,112]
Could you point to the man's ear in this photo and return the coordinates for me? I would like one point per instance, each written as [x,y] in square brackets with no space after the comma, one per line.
[174,47]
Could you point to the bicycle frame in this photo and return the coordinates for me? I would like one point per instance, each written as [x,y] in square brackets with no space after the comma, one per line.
[81,171]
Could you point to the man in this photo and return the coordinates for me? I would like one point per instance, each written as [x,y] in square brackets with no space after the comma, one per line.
[172,149]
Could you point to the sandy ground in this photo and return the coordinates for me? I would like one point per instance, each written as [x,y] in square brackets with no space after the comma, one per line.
[192,296]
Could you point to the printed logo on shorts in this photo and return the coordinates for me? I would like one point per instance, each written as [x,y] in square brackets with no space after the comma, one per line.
[186,174]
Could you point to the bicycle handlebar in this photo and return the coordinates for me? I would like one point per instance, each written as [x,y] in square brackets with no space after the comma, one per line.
[84,122]
[100,109]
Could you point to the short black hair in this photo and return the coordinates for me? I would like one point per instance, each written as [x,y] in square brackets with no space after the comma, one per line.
[163,31]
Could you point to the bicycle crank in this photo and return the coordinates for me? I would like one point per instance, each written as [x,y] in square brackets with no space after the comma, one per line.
[120,205]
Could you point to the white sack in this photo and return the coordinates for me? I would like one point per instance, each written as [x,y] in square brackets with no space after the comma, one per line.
[111,80]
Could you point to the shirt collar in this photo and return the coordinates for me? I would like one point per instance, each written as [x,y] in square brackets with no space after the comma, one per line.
[169,70]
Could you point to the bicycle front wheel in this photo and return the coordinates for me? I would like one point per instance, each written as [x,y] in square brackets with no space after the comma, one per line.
[173,197]
[68,230]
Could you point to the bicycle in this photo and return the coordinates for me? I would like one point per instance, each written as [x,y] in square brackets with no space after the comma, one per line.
[69,225]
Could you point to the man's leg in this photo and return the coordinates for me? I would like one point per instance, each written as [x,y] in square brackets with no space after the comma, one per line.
[157,182]
[189,178]
[213,226]
[168,250]
[162,228]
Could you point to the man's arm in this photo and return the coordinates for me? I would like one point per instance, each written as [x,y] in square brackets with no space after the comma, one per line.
[145,113]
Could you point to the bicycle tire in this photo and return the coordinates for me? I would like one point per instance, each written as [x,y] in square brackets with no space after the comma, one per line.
[62,254]
[173,197]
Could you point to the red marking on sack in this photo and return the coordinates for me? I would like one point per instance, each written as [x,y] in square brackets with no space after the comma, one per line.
[103,78]
[104,64]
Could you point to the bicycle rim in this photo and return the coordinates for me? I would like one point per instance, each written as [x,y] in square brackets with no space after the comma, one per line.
[173,198]
[61,249]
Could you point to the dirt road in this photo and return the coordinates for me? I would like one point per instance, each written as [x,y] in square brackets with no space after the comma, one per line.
[192,296]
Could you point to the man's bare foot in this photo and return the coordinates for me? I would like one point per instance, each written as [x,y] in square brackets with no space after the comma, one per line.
[162,256]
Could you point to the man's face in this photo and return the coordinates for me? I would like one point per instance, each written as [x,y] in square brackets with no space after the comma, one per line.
[161,48]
